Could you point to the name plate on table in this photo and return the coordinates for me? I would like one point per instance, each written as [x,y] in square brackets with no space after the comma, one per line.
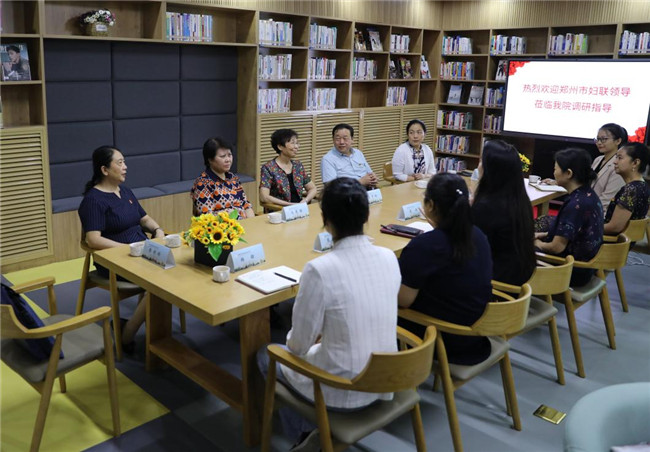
[295,211]
[374,196]
[409,211]
[247,257]
[323,242]
[158,254]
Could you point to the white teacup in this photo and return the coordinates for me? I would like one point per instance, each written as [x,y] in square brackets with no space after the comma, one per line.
[275,217]
[422,183]
[136,249]
[534,179]
[173,240]
[220,273]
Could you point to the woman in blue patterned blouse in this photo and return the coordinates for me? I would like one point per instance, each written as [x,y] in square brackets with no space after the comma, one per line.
[578,228]
[283,178]
[633,199]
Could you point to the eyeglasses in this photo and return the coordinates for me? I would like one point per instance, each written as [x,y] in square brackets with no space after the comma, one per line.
[602,139]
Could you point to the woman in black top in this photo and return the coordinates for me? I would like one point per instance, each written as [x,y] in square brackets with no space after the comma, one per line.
[502,210]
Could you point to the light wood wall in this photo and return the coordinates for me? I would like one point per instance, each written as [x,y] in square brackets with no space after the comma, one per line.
[463,15]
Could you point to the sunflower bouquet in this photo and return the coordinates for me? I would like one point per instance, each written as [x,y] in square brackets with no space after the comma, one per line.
[216,232]
[525,163]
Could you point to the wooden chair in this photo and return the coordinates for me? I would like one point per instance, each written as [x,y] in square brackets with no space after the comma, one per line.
[388,174]
[270,207]
[81,340]
[610,256]
[635,231]
[119,291]
[547,280]
[499,320]
[400,372]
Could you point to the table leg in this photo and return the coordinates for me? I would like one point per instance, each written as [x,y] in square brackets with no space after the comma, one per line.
[543,209]
[158,325]
[254,332]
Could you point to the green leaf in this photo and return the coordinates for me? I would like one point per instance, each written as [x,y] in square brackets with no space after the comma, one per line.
[215,251]
[233,215]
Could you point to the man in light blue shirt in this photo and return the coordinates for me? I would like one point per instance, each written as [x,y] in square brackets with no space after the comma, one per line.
[345,161]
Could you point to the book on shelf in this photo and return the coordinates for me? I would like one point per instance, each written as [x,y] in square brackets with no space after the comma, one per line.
[493,123]
[188,27]
[476,95]
[405,67]
[321,99]
[632,42]
[507,45]
[502,70]
[274,100]
[393,71]
[321,68]
[459,120]
[274,67]
[359,40]
[447,164]
[375,40]
[364,69]
[396,95]
[15,62]
[275,33]
[399,43]
[455,92]
[569,44]
[271,280]
[322,37]
[455,144]
[456,45]
[494,97]
[425,73]
[457,70]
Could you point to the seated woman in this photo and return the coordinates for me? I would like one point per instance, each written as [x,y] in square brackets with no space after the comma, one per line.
[217,189]
[502,210]
[447,272]
[283,179]
[578,228]
[335,306]
[631,202]
[111,215]
[413,160]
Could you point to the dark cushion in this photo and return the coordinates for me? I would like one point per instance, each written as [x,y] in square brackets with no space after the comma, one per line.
[147,192]
[243,178]
[191,164]
[145,61]
[145,99]
[173,188]
[208,63]
[77,60]
[66,204]
[197,129]
[146,136]
[88,136]
[69,179]
[39,349]
[209,97]
[78,101]
[152,170]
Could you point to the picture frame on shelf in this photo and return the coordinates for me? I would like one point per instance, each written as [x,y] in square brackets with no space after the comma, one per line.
[15,62]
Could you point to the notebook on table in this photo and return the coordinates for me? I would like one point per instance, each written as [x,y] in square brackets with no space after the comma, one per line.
[270,280]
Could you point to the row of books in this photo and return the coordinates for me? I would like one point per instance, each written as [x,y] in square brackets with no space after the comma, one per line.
[456,144]
[321,99]
[273,100]
[456,45]
[569,43]
[400,43]
[188,27]
[400,68]
[446,164]
[632,42]
[493,123]
[368,40]
[494,97]
[274,67]
[363,69]
[460,120]
[396,95]
[321,69]
[507,45]
[322,37]
[275,33]
[457,70]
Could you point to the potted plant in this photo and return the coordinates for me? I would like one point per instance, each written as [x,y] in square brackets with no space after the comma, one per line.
[525,163]
[96,23]
[214,237]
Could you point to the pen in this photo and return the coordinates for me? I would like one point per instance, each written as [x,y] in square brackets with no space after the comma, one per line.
[285,277]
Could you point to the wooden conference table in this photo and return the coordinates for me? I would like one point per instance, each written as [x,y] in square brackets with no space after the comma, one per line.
[189,286]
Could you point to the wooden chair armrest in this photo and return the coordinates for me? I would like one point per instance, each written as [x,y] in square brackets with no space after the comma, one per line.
[33,285]
[425,320]
[582,264]
[70,324]
[550,258]
[504,295]
[501,287]
[301,366]
[271,206]
[610,238]
[404,335]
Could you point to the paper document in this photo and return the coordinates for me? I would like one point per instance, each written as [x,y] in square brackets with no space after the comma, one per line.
[545,187]
[421,225]
[271,280]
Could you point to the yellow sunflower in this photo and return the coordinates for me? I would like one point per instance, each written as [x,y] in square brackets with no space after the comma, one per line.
[205,240]
[218,236]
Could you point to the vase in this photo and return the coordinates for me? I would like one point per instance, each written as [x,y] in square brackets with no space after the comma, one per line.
[97,29]
[202,256]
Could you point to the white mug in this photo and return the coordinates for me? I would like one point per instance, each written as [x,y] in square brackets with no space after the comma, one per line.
[173,240]
[220,273]
[275,217]
[534,179]
[136,249]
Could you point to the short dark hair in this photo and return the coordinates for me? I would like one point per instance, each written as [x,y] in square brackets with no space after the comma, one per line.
[618,132]
[344,204]
[579,161]
[211,146]
[638,151]
[415,121]
[281,137]
[343,126]
[14,48]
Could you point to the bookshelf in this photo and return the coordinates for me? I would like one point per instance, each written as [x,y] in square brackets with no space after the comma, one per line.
[633,51]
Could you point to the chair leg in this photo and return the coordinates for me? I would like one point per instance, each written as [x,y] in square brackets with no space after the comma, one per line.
[418,430]
[82,285]
[506,371]
[46,394]
[267,414]
[115,306]
[62,384]
[181,315]
[436,383]
[621,289]
[323,421]
[607,315]
[112,380]
[557,350]
[573,330]
[448,391]
[504,383]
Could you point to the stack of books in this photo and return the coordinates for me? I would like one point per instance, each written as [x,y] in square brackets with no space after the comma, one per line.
[321,69]
[277,100]
[274,67]
[456,45]
[457,70]
[321,99]
[507,45]
[274,33]
[322,37]
[188,27]
[569,44]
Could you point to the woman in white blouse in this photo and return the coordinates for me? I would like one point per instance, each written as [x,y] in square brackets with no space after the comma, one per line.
[413,160]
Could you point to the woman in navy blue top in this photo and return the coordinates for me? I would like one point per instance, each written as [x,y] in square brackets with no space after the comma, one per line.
[447,272]
[578,228]
[111,215]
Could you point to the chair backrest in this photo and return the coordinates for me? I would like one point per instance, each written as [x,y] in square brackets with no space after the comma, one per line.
[388,170]
[635,229]
[553,279]
[503,317]
[10,326]
[390,372]
[611,256]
